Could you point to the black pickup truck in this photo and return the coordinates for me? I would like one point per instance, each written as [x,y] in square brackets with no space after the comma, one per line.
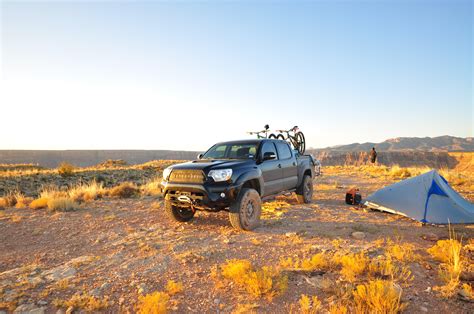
[235,176]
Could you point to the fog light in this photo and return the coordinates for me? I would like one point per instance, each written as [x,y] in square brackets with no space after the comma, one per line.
[222,195]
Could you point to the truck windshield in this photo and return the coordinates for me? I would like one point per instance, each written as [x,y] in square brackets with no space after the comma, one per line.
[232,151]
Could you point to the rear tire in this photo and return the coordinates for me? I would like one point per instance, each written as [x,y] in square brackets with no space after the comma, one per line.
[244,213]
[304,193]
[178,214]
[280,137]
[301,142]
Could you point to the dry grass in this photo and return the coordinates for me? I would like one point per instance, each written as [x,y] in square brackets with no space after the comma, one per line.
[455,178]
[246,308]
[403,252]
[154,303]
[338,308]
[352,265]
[378,296]
[124,190]
[467,292]
[264,282]
[39,203]
[173,287]
[85,192]
[3,203]
[449,253]
[9,199]
[385,267]
[152,187]
[309,305]
[159,301]
[318,261]
[20,200]
[84,302]
[62,204]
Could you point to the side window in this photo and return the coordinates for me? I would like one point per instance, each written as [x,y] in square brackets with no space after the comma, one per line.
[219,151]
[284,151]
[268,147]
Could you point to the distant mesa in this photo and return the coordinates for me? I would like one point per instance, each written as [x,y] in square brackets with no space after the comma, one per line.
[422,144]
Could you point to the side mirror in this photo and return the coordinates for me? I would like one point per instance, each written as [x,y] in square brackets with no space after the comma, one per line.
[200,156]
[269,156]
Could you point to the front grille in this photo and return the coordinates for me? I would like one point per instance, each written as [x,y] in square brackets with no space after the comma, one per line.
[187,176]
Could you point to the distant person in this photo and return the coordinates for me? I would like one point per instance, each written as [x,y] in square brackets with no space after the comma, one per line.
[373,155]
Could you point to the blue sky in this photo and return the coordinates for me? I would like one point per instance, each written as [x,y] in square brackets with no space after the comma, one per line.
[183,75]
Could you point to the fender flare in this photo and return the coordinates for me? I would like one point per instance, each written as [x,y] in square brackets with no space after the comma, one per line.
[253,174]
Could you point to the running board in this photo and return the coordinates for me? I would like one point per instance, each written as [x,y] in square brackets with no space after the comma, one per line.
[272,196]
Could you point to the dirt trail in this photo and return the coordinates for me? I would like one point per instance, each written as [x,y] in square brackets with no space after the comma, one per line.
[120,248]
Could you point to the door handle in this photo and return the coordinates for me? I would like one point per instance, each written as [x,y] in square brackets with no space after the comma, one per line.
[279,165]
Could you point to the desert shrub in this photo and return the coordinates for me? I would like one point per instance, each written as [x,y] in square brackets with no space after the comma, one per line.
[10,198]
[398,172]
[453,177]
[338,308]
[124,190]
[173,287]
[378,296]
[49,192]
[62,204]
[22,201]
[112,163]
[66,169]
[236,270]
[39,203]
[3,203]
[317,261]
[467,292]
[401,251]
[85,192]
[385,267]
[83,301]
[154,303]
[352,264]
[449,252]
[152,187]
[309,305]
[445,250]
[246,308]
[265,281]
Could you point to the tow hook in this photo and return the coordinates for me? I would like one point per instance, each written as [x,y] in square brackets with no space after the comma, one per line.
[187,199]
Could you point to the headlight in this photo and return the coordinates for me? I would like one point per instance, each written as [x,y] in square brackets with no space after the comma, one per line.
[166,173]
[220,175]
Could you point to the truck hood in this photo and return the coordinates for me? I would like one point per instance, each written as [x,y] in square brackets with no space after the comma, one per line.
[206,165]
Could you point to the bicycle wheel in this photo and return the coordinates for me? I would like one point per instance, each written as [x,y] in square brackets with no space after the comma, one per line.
[301,142]
[273,136]
[280,137]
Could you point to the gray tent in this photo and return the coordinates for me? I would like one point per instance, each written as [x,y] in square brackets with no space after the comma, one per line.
[427,198]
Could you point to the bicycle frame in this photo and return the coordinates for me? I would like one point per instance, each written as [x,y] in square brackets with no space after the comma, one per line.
[258,133]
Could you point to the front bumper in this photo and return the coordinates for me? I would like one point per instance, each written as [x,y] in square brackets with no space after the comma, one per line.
[200,196]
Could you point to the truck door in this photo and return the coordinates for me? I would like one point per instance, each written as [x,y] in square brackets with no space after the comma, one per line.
[271,170]
[288,164]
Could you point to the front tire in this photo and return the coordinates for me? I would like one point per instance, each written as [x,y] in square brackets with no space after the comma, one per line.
[273,136]
[178,214]
[304,193]
[244,213]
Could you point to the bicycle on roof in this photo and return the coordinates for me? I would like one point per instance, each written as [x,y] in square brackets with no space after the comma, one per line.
[293,136]
[259,133]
